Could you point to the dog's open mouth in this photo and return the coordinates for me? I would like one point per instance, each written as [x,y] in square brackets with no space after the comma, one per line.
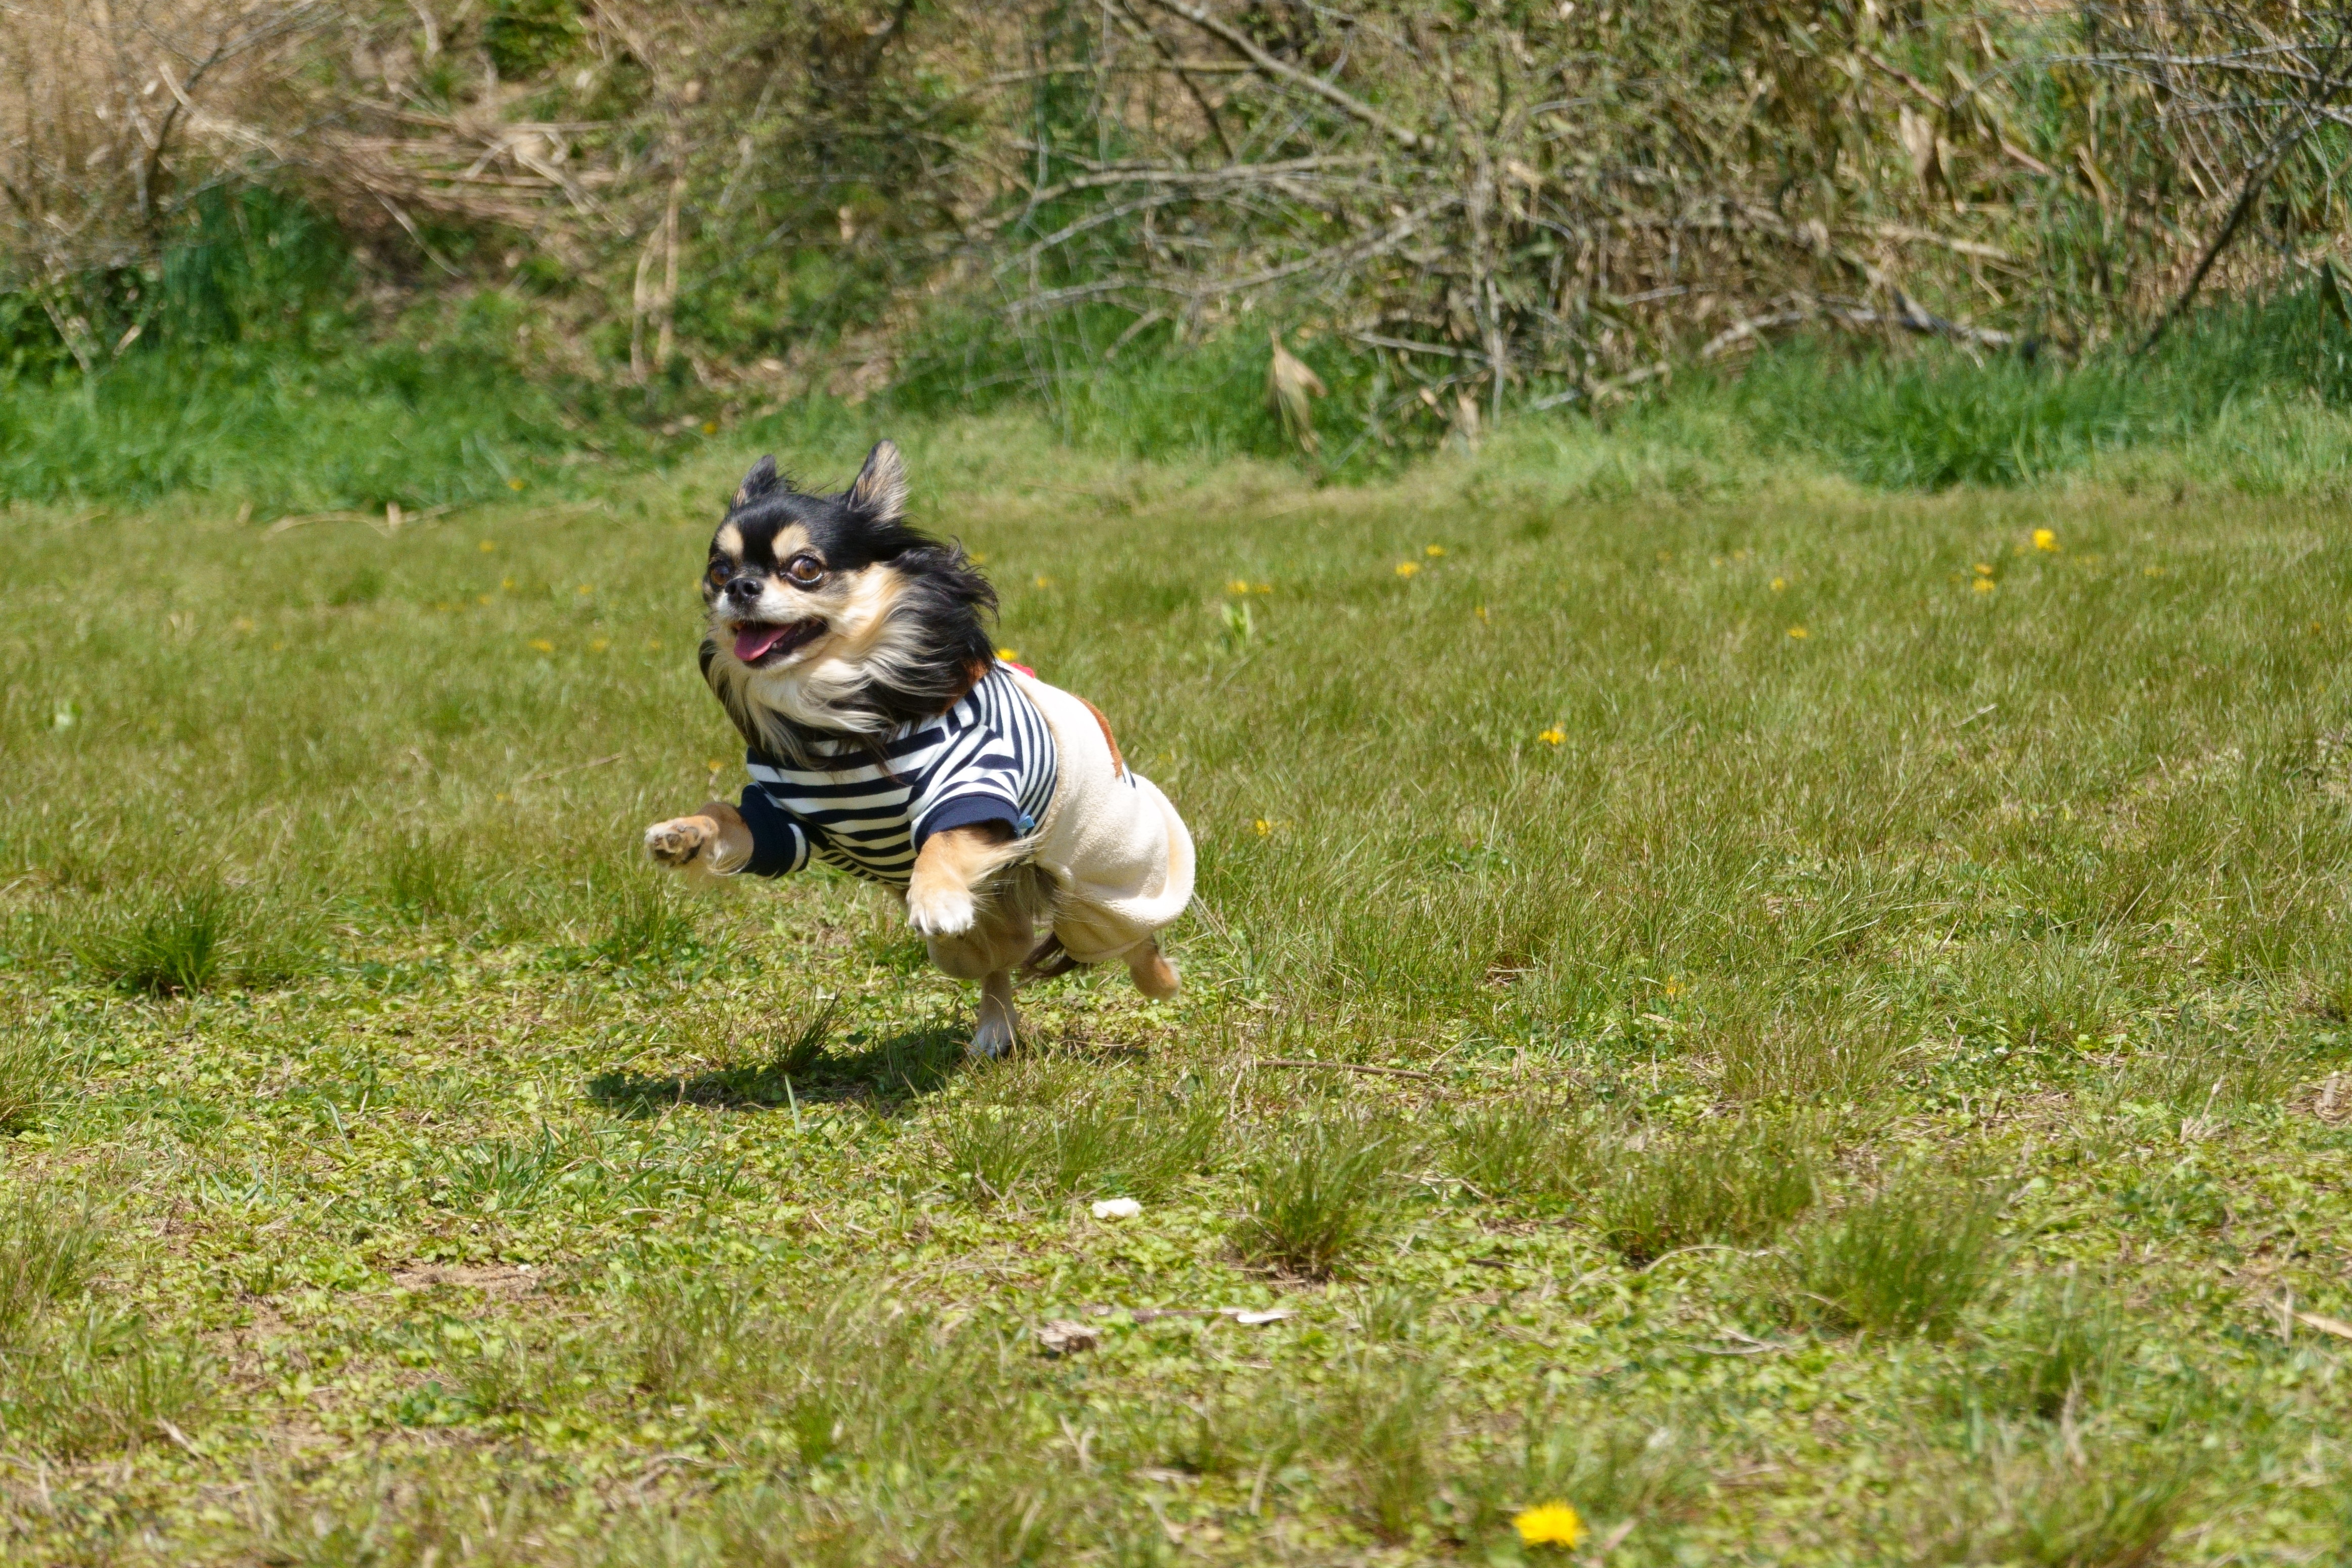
[756,642]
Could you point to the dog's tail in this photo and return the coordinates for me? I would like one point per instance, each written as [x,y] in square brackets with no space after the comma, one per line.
[1048,959]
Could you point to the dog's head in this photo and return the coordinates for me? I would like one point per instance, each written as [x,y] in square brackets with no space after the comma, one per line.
[831,617]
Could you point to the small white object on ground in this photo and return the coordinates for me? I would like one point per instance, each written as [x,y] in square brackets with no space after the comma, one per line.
[1271,1315]
[1118,1209]
[1063,1337]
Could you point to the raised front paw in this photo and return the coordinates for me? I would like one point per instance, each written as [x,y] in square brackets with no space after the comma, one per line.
[676,841]
[939,907]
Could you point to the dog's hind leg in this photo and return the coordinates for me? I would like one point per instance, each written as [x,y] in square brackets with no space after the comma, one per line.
[988,953]
[998,1029]
[1153,975]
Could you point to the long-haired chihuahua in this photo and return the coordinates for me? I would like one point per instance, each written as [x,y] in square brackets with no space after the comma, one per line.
[888,739]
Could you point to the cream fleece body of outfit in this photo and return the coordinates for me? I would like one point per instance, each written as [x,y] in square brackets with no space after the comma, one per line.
[1117,852]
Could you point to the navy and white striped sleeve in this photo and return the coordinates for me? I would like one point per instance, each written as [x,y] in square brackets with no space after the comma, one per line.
[979,780]
[977,776]
[779,845]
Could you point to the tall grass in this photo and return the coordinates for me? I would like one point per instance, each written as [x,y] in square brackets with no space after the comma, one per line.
[1907,1260]
[104,1381]
[1162,396]
[435,426]
[245,370]
[1317,1194]
[1936,419]
[48,1249]
[1736,1184]
[1624,1473]
[1525,1148]
[324,413]
[31,1076]
[2052,1501]
[2058,1346]
[81,1377]
[198,937]
[1107,1142]
[650,923]
[1387,1422]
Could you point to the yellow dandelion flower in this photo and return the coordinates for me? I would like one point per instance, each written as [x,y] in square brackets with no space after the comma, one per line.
[1780,585]
[1553,736]
[714,764]
[507,583]
[1263,827]
[710,427]
[1238,585]
[1550,1524]
[2045,539]
[1044,581]
[1982,584]
[1799,633]
[1407,567]
[542,644]
[487,547]
[598,645]
[515,483]
[1482,614]
[1433,551]
[1982,568]
[1009,655]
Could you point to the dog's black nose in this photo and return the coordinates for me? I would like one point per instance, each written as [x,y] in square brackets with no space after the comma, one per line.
[744,589]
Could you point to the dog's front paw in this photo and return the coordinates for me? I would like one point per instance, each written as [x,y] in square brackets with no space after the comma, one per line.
[676,841]
[940,908]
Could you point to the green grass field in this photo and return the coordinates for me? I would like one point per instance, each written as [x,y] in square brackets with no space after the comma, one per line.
[1807,1024]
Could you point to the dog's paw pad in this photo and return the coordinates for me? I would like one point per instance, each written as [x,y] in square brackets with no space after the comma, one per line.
[676,843]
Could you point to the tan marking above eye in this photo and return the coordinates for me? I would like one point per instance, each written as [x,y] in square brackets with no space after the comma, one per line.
[729,541]
[790,540]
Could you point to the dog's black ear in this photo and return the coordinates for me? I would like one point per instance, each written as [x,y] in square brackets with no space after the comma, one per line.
[762,480]
[879,492]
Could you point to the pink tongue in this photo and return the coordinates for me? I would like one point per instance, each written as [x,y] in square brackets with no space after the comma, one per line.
[755,643]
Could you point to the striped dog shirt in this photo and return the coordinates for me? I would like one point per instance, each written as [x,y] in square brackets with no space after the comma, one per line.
[990,758]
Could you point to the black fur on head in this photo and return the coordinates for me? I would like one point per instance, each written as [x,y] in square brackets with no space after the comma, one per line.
[833,621]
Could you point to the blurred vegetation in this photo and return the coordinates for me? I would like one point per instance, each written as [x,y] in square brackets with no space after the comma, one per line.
[514,241]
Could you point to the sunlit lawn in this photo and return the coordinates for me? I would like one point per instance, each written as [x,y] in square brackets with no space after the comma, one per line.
[1802,1024]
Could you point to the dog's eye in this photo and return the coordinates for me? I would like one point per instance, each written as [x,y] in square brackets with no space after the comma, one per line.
[719,574]
[804,572]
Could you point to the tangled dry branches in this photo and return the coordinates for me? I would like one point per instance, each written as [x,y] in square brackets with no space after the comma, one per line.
[1512,200]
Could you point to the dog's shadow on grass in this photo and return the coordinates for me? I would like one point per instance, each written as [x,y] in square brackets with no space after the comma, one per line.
[889,1074]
